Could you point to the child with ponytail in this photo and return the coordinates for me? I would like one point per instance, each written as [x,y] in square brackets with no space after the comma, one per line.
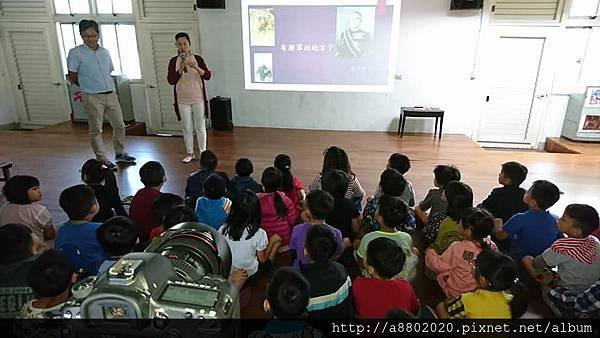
[104,183]
[454,268]
[291,185]
[500,294]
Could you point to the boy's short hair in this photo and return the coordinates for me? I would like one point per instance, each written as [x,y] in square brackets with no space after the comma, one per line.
[320,204]
[386,257]
[399,162]
[85,24]
[16,243]
[545,193]
[152,174]
[50,274]
[288,293]
[392,182]
[208,160]
[515,171]
[214,187]
[77,201]
[393,211]
[320,244]
[164,203]
[445,174]
[15,189]
[117,236]
[335,182]
[584,216]
[179,214]
[244,167]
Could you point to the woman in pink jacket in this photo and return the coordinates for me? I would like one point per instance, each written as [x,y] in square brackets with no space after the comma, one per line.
[186,73]
[454,267]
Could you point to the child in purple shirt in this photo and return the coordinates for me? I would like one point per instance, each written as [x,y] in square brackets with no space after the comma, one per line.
[320,204]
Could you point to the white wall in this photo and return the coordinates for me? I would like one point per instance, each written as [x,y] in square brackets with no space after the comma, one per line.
[435,56]
[8,109]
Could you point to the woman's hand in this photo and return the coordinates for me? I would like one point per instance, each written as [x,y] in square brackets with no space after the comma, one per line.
[200,70]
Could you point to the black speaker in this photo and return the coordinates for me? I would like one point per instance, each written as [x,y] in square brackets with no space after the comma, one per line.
[210,4]
[466,4]
[220,113]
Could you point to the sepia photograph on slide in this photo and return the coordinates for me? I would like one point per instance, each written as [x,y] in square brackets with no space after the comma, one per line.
[262,27]
[263,67]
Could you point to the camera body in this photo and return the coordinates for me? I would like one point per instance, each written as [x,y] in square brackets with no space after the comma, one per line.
[181,275]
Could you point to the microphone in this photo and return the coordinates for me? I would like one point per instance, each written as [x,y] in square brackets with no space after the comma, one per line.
[182,57]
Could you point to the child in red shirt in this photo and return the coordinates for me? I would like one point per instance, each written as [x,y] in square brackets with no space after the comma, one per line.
[152,175]
[374,297]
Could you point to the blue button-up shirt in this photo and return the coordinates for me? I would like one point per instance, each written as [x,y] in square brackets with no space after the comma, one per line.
[93,68]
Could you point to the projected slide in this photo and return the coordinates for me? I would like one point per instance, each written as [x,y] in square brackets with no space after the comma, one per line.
[320,45]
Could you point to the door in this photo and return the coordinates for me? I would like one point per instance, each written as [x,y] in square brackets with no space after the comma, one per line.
[159,47]
[517,75]
[35,72]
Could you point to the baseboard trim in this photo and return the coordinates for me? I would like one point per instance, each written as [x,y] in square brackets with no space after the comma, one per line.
[9,126]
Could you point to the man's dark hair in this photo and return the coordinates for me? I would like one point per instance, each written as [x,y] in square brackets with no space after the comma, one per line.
[393,211]
[179,214]
[545,193]
[77,201]
[445,174]
[584,216]
[399,162]
[85,24]
[386,257]
[15,189]
[514,171]
[335,182]
[15,243]
[320,204]
[152,174]
[320,244]
[183,35]
[392,182]
[164,203]
[50,274]
[288,293]
[117,236]
[244,167]
[208,160]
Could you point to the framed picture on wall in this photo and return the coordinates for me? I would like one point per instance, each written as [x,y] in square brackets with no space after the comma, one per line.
[590,123]
[592,97]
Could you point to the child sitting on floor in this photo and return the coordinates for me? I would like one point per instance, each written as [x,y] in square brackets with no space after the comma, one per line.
[577,256]
[391,213]
[500,294]
[504,202]
[443,174]
[163,204]
[50,277]
[22,193]
[243,181]
[212,208]
[118,238]
[290,184]
[531,232]
[454,268]
[376,296]
[443,228]
[344,215]
[195,182]
[152,175]
[401,163]
[102,179]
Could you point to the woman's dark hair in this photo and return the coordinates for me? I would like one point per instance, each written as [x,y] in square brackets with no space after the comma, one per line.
[284,163]
[335,182]
[460,197]
[15,243]
[336,158]
[178,215]
[501,273]
[444,174]
[271,180]
[16,188]
[479,221]
[183,35]
[94,172]
[85,24]
[245,214]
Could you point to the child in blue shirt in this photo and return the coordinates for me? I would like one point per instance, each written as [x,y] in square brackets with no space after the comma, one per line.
[77,237]
[213,208]
[531,232]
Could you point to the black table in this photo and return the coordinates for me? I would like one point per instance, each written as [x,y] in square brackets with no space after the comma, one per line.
[421,112]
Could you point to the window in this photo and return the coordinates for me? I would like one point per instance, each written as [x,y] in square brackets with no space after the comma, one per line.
[584,8]
[117,32]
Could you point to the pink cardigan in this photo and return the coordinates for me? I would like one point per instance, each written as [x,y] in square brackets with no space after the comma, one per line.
[173,77]
[454,268]
[274,224]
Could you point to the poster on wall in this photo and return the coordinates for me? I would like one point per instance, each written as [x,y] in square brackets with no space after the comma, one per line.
[590,123]
[320,45]
[592,97]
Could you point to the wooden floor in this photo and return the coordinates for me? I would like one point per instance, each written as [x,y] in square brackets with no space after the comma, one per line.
[55,154]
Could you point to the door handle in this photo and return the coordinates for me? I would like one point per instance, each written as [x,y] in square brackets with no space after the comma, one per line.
[542,96]
[151,86]
[57,83]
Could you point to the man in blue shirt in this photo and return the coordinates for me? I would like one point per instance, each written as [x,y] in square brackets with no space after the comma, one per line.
[89,67]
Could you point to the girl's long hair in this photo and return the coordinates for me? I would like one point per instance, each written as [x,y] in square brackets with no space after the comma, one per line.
[245,214]
[271,181]
[284,163]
